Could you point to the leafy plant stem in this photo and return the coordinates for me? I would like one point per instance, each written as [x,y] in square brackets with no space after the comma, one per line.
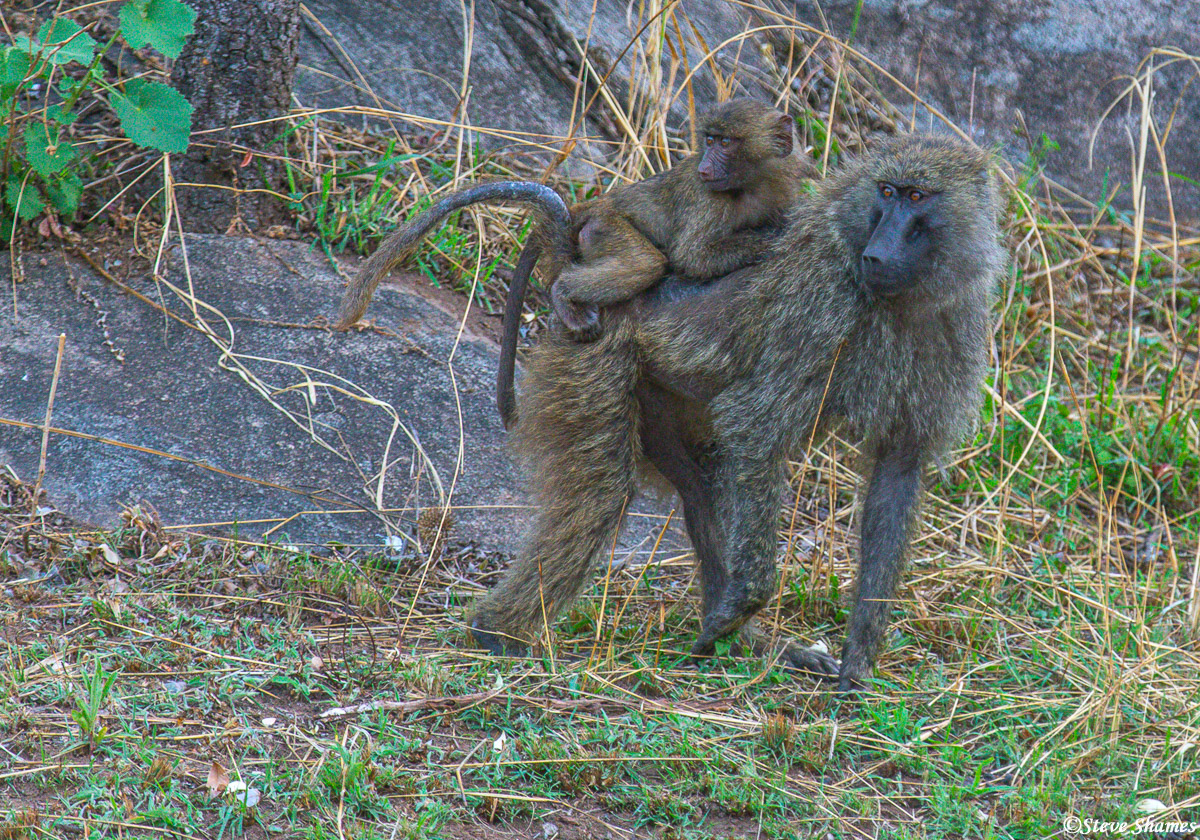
[89,76]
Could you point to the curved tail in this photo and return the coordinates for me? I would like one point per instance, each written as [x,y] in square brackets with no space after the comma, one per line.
[545,202]
[506,397]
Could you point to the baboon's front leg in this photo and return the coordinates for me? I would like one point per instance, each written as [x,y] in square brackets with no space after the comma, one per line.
[888,512]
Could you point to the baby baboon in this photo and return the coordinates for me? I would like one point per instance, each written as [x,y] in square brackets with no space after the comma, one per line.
[872,311]
[711,214]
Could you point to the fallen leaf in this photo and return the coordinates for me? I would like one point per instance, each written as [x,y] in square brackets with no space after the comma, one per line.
[218,779]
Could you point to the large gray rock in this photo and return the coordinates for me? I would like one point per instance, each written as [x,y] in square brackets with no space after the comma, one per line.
[523,63]
[300,456]
[1058,64]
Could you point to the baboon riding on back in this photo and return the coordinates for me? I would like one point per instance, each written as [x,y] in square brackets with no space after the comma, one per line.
[710,214]
[871,310]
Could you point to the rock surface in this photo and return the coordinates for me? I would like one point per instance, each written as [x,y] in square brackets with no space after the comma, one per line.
[524,61]
[1055,66]
[300,455]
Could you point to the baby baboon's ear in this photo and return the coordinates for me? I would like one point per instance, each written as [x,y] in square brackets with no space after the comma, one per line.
[785,131]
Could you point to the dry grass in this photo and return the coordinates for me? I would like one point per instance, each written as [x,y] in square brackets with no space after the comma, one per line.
[1045,663]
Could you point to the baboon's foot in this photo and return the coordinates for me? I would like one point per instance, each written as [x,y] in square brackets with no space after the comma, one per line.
[495,642]
[584,326]
[792,655]
[582,322]
[812,663]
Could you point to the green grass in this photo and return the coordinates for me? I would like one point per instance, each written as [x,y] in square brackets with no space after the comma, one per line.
[997,711]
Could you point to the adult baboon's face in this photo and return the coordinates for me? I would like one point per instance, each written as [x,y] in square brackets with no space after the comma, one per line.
[904,223]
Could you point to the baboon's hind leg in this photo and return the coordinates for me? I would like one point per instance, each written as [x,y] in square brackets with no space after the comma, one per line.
[791,654]
[577,436]
[664,445]
[752,492]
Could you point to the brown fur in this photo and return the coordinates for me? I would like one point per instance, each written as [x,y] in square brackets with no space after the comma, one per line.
[575,502]
[716,385]
[629,236]
[607,250]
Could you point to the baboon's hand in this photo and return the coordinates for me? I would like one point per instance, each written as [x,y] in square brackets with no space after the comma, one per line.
[717,626]
[738,603]
[582,322]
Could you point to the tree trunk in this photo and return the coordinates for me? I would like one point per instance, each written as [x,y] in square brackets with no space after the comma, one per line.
[236,69]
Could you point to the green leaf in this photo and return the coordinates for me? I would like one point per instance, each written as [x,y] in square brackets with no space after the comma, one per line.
[61,41]
[154,115]
[46,155]
[14,67]
[68,85]
[163,24]
[71,88]
[61,115]
[64,193]
[26,202]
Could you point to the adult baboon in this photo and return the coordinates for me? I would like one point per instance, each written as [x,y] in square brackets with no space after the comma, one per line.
[872,311]
[712,213]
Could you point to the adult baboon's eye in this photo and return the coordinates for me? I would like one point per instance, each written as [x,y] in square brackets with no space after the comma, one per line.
[916,195]
[725,142]
[887,190]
